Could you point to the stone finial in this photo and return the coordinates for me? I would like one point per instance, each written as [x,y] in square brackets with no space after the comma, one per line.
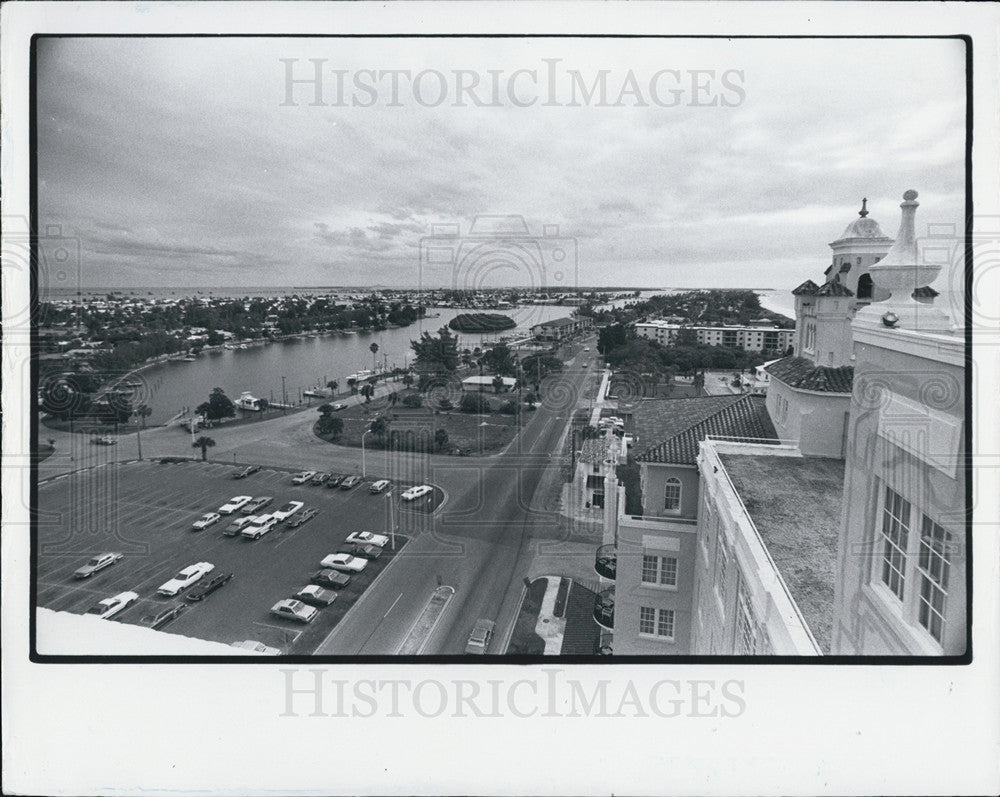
[864,208]
[900,273]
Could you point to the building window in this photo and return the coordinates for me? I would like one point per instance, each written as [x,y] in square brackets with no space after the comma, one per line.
[659,570]
[656,622]
[895,533]
[934,564]
[672,495]
[747,630]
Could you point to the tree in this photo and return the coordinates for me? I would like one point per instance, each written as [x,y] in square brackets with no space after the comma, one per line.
[407,379]
[413,400]
[329,425]
[333,384]
[374,351]
[218,406]
[440,439]
[501,360]
[699,380]
[392,398]
[325,409]
[368,390]
[379,427]
[612,336]
[497,383]
[474,403]
[446,404]
[204,443]
[143,411]
[438,353]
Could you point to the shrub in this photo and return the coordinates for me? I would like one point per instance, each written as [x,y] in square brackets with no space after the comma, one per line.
[446,404]
[509,408]
[413,400]
[474,403]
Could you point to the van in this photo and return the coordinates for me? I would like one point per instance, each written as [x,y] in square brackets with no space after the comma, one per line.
[379,486]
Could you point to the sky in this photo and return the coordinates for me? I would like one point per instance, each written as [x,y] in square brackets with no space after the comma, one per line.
[704,163]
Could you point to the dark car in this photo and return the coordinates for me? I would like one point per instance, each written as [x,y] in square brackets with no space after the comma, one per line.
[365,551]
[349,482]
[163,616]
[207,586]
[334,480]
[316,596]
[302,517]
[330,578]
[246,471]
[318,480]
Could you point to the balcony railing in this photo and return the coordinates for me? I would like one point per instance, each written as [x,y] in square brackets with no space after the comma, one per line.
[606,561]
[604,609]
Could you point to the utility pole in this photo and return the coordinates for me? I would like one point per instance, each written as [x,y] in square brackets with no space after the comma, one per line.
[284,396]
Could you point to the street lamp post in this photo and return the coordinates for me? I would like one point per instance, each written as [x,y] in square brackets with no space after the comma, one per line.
[364,468]
[284,396]
[392,521]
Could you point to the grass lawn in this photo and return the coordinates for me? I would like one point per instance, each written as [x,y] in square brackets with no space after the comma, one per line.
[469,434]
[524,641]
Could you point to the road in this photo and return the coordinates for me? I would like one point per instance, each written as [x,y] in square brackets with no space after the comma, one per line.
[479,542]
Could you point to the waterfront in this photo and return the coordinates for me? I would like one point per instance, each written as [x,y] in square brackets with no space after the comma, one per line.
[304,363]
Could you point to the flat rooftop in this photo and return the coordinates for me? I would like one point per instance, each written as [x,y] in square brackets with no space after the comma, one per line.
[795,502]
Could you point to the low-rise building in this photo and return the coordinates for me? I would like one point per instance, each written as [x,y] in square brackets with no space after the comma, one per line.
[484,384]
[562,328]
[749,338]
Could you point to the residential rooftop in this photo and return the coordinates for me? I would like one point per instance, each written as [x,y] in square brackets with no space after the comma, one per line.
[795,503]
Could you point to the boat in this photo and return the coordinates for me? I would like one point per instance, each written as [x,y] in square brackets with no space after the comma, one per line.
[189,359]
[248,402]
[316,392]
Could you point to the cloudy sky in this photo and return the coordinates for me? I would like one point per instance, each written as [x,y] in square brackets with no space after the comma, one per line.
[193,162]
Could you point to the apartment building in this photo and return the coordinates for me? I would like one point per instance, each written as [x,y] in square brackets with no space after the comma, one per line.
[752,338]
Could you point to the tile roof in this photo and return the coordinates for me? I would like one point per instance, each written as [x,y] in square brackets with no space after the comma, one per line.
[834,289]
[798,372]
[807,288]
[669,430]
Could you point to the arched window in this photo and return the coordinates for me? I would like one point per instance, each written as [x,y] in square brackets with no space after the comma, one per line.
[672,495]
[865,286]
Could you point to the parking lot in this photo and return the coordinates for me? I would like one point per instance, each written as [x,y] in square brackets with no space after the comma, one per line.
[146,509]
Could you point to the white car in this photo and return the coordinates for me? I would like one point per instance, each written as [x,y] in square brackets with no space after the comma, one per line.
[302,478]
[261,526]
[344,561]
[287,511]
[235,504]
[205,521]
[415,492]
[294,610]
[256,647]
[239,524]
[184,579]
[338,407]
[367,538]
[109,607]
[379,487]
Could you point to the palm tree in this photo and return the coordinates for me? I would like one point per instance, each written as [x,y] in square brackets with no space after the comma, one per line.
[204,443]
[379,427]
[393,397]
[333,385]
[143,412]
[374,351]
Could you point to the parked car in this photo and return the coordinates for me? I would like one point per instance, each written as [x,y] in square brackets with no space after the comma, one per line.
[364,551]
[367,538]
[479,639]
[98,563]
[416,492]
[379,487]
[292,609]
[349,482]
[344,561]
[339,406]
[163,616]
[256,647]
[185,578]
[330,578]
[318,479]
[238,525]
[334,480]
[287,511]
[302,517]
[260,527]
[208,586]
[316,596]
[103,441]
[303,477]
[247,471]
[257,504]
[235,504]
[109,607]
[206,520]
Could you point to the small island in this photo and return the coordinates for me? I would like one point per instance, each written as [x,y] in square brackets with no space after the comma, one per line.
[481,322]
